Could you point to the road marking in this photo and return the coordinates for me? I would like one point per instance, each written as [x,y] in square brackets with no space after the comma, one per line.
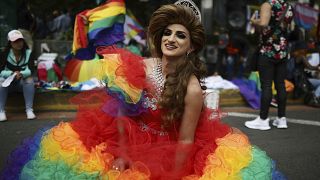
[290,120]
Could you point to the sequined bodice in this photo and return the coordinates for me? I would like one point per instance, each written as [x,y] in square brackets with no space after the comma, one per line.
[151,100]
[157,81]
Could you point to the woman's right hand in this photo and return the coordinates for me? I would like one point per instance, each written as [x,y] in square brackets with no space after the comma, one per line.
[253,17]
[84,20]
[119,164]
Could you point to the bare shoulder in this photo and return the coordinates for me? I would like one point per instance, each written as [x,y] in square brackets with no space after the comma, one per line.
[148,60]
[149,64]
[266,5]
[194,87]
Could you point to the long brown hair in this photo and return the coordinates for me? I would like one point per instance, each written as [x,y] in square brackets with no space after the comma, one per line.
[175,88]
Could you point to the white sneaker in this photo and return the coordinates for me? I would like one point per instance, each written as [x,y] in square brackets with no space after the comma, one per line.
[3,116]
[30,114]
[258,123]
[280,123]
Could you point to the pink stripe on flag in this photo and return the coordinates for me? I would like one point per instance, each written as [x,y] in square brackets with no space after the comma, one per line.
[307,19]
[307,14]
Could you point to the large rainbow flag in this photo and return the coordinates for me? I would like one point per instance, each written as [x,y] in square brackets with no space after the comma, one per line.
[105,25]
[101,26]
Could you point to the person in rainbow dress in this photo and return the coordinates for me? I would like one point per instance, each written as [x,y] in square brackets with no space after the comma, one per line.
[150,122]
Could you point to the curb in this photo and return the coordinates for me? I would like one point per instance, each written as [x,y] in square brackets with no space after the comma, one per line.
[59,101]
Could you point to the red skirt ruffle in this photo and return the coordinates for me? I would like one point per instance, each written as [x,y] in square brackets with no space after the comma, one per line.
[142,139]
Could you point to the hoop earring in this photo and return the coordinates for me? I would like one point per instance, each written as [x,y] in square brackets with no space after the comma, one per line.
[188,53]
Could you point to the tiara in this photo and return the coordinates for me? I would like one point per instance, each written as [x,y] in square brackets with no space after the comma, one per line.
[190,4]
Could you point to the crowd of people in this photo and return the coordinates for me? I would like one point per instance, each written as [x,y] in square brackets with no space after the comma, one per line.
[145,123]
[232,56]
[57,25]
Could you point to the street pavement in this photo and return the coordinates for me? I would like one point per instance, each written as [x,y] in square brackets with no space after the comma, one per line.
[295,150]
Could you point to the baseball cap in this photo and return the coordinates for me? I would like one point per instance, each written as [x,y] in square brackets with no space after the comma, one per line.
[14,35]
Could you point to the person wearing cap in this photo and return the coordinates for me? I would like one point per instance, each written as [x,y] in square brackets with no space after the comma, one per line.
[15,62]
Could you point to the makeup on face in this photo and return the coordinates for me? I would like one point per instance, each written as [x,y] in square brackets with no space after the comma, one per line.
[178,34]
[175,41]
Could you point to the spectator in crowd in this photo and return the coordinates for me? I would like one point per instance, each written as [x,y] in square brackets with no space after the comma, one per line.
[42,30]
[26,22]
[306,75]
[223,41]
[314,97]
[16,73]
[60,24]
[210,54]
[275,15]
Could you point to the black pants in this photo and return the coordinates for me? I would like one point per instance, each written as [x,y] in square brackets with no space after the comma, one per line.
[271,71]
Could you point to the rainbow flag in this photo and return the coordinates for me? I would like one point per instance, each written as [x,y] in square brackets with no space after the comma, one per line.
[251,88]
[101,26]
[305,16]
[133,29]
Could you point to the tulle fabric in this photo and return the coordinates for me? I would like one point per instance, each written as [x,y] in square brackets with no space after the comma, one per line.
[125,78]
[86,147]
[21,155]
[157,152]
